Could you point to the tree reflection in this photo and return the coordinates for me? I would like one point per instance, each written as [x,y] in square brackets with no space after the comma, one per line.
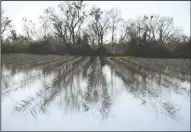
[136,74]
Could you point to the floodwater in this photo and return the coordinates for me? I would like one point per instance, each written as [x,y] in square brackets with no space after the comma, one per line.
[93,93]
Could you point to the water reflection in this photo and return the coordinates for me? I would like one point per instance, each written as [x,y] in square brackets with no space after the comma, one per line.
[82,84]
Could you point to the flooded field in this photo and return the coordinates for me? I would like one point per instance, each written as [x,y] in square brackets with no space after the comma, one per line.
[94,93]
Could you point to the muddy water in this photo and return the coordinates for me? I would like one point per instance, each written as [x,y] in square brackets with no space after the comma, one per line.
[92,93]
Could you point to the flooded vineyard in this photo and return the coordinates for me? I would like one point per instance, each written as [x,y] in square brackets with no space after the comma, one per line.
[49,92]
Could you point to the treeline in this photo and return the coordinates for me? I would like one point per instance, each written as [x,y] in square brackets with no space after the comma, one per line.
[74,30]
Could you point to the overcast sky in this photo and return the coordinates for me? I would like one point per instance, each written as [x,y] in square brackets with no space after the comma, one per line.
[179,10]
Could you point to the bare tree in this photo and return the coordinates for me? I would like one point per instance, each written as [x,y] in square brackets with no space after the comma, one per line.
[91,36]
[175,38]
[149,29]
[130,31]
[152,24]
[123,31]
[115,15]
[165,28]
[44,29]
[99,25]
[58,25]
[68,25]
[14,35]
[27,30]
[161,29]
[75,15]
[5,23]
[30,30]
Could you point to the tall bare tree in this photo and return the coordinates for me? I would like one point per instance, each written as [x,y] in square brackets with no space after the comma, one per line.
[74,17]
[44,29]
[100,24]
[31,31]
[165,28]
[68,24]
[27,29]
[58,25]
[115,15]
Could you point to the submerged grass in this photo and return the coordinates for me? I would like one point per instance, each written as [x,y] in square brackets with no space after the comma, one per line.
[136,73]
[125,57]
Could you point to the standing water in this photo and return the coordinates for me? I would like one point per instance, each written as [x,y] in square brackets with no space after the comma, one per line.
[95,93]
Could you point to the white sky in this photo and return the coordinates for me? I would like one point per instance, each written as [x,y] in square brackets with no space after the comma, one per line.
[179,10]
